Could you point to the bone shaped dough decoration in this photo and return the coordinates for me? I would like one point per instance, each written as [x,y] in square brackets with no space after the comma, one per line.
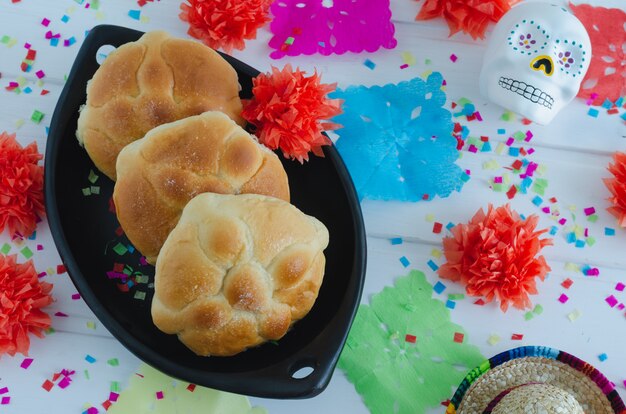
[537,57]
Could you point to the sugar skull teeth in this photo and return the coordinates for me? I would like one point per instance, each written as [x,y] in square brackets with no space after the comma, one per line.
[529,92]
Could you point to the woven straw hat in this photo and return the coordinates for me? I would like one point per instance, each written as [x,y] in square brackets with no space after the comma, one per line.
[536,380]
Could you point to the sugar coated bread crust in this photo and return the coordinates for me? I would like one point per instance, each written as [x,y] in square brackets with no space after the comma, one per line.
[153,81]
[236,271]
[158,174]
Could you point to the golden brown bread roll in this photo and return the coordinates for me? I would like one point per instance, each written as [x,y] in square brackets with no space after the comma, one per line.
[236,271]
[153,81]
[158,174]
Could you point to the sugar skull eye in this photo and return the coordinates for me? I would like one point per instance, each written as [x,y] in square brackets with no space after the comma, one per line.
[569,56]
[528,37]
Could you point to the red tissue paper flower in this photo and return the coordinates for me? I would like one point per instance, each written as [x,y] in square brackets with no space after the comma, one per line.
[21,298]
[606,76]
[494,256]
[288,110]
[617,187]
[469,16]
[225,23]
[21,187]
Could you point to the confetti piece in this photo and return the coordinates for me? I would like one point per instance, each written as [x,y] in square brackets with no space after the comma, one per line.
[611,300]
[114,362]
[5,249]
[120,249]
[37,116]
[439,287]
[64,383]
[529,315]
[493,340]
[27,252]
[567,283]
[113,396]
[456,296]
[453,58]
[142,295]
[371,65]
[602,357]
[134,14]
[511,193]
[517,337]
[159,395]
[563,298]
[410,338]
[405,262]
[436,253]
[91,325]
[437,227]
[593,112]
[4,390]
[90,359]
[574,315]
[396,240]
[191,387]
[458,337]
[589,211]
[620,287]
[538,310]
[609,231]
[26,363]
[450,304]
[45,22]
[5,400]
[432,265]
[47,385]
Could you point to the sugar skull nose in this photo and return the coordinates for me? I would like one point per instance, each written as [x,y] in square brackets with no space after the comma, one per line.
[544,64]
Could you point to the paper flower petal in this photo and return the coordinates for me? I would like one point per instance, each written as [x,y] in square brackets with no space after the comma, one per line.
[469,16]
[288,110]
[224,23]
[397,140]
[495,256]
[606,76]
[21,187]
[617,187]
[325,27]
[21,298]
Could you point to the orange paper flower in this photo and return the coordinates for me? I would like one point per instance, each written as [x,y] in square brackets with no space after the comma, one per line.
[288,110]
[21,187]
[225,23]
[617,187]
[469,16]
[494,256]
[21,298]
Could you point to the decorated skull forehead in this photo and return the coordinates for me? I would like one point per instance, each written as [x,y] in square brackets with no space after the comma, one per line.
[537,58]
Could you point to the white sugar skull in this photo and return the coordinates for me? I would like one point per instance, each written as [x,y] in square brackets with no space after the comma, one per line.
[537,57]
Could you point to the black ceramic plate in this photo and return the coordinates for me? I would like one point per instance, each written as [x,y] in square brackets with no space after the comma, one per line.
[84,229]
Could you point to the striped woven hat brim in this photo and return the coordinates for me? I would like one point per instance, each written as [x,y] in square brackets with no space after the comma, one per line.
[536,364]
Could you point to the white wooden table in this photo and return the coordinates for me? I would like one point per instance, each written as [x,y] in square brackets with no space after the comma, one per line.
[576,149]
